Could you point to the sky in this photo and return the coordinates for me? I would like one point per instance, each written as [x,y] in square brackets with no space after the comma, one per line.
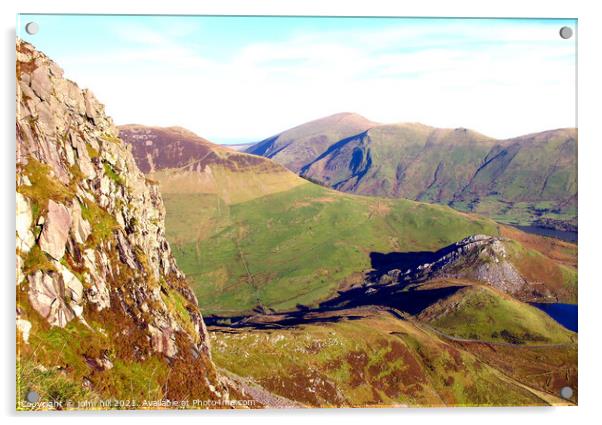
[243,79]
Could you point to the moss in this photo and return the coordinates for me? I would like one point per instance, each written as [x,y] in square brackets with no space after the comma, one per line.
[103,224]
[112,174]
[43,186]
[92,153]
[109,138]
[35,260]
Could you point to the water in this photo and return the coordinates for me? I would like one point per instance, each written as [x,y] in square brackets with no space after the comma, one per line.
[565,314]
[552,233]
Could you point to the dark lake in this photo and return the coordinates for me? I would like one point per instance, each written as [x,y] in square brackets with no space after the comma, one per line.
[544,231]
[565,314]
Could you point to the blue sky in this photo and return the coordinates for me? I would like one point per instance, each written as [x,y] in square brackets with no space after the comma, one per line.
[236,79]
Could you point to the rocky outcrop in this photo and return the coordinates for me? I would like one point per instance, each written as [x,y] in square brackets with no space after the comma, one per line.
[91,250]
[479,258]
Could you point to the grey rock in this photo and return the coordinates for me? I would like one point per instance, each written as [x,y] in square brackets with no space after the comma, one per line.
[23,327]
[47,297]
[40,82]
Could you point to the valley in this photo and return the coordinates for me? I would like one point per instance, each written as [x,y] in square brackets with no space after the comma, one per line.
[310,293]
[153,265]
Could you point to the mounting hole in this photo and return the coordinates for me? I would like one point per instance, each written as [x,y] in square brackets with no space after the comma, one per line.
[566,32]
[32,28]
[32,397]
[566,392]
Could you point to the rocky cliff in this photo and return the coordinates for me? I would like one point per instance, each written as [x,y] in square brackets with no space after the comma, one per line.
[477,258]
[102,308]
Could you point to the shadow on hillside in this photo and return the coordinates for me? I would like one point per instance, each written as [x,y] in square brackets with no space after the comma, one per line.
[407,299]
[411,301]
[383,263]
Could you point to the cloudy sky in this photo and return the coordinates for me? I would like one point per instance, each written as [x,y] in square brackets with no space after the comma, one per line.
[238,79]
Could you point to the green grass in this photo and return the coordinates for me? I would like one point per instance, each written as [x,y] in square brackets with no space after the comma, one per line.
[483,313]
[299,246]
[103,224]
[112,174]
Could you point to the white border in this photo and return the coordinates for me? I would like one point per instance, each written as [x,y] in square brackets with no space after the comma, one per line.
[590,207]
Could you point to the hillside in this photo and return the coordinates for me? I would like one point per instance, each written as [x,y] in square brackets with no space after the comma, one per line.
[251,250]
[186,163]
[368,357]
[486,314]
[103,311]
[525,180]
[300,145]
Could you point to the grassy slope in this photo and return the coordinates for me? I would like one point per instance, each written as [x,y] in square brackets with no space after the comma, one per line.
[483,313]
[230,186]
[298,246]
[374,360]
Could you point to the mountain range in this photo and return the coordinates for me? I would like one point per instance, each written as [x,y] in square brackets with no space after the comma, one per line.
[252,245]
[527,180]
[307,283]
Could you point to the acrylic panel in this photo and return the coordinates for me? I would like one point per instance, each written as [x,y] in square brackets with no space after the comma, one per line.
[236,212]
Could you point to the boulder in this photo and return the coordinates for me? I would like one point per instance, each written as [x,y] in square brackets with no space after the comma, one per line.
[40,82]
[163,341]
[47,297]
[56,230]
[98,291]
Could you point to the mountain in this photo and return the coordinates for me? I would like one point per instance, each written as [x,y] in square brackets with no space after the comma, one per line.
[186,163]
[300,145]
[239,146]
[300,244]
[103,311]
[525,180]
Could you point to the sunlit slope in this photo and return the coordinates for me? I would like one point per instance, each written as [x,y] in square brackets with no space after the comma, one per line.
[299,246]
[371,358]
[486,314]
[183,162]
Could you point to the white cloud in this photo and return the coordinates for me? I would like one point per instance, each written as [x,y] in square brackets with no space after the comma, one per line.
[500,82]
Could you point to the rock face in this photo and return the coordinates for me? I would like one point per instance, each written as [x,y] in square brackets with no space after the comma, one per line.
[91,250]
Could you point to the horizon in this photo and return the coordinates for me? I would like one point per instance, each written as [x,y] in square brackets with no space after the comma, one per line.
[265,75]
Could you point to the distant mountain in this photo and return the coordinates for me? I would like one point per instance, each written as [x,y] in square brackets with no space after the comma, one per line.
[297,147]
[185,163]
[239,146]
[526,180]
